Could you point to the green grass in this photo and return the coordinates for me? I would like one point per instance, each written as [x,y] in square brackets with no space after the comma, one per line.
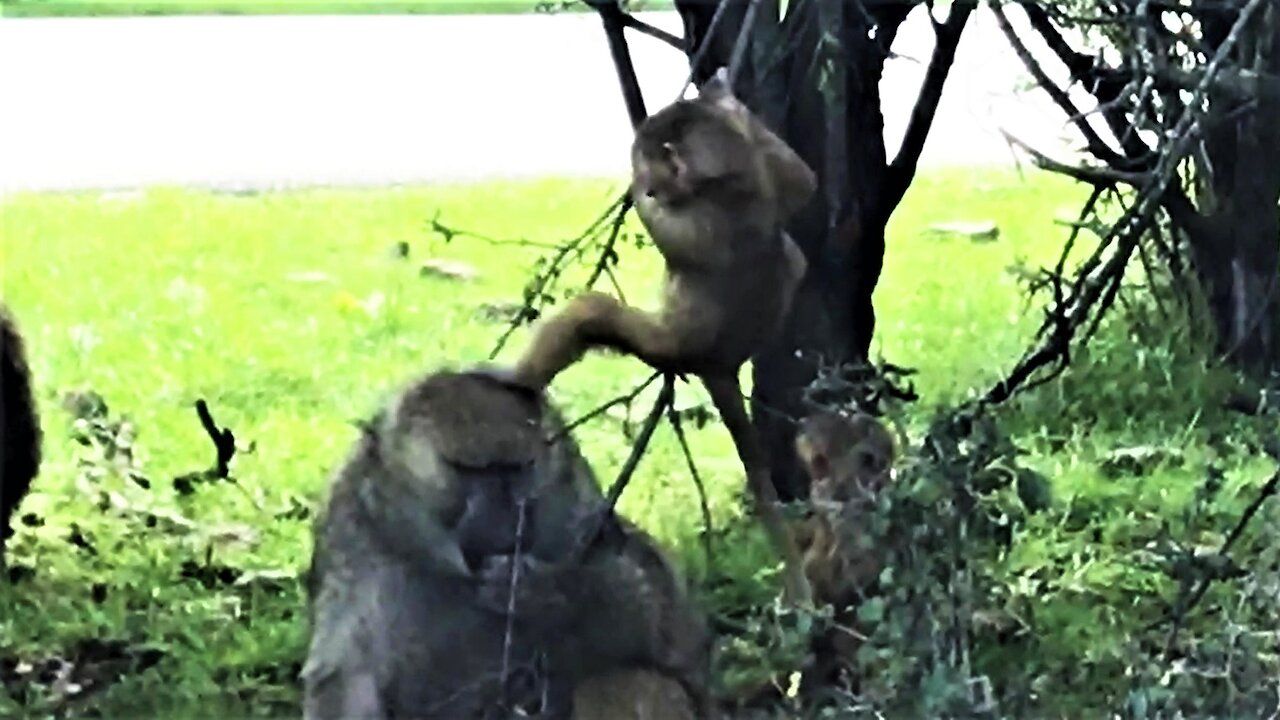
[291,316]
[111,8]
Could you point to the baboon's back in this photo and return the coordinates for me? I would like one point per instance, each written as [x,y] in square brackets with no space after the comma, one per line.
[19,423]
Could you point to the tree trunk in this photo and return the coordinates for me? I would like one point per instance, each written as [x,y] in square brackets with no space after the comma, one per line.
[841,135]
[1236,245]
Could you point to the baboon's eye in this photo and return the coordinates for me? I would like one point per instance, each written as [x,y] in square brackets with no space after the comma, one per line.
[869,461]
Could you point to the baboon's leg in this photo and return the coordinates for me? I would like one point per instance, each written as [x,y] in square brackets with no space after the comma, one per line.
[594,319]
[344,695]
[726,394]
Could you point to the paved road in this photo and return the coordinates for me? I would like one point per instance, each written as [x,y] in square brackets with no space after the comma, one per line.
[281,101]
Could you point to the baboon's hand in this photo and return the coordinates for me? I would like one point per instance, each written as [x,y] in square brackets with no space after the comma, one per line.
[535,592]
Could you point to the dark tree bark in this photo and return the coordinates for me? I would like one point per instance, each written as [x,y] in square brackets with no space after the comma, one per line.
[1235,245]
[836,125]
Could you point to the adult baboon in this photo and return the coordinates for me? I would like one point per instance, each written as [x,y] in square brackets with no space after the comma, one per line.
[443,581]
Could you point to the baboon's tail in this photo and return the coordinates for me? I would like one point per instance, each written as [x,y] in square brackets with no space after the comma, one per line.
[20,434]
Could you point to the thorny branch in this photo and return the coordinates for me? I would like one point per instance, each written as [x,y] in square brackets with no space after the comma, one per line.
[1099,280]
[537,292]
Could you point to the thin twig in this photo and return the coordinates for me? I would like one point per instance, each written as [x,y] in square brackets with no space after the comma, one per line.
[601,409]
[740,45]
[630,21]
[596,524]
[450,233]
[508,637]
[535,293]
[1187,602]
[607,253]
[1096,144]
[708,530]
[698,54]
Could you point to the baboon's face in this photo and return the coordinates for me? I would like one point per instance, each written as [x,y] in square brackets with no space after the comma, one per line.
[846,458]
[499,509]
[684,149]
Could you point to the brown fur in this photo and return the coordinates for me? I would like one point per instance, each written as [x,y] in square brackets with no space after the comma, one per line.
[633,695]
[849,460]
[713,186]
[20,434]
[411,570]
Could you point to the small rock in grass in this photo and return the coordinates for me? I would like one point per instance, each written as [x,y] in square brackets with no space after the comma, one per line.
[1137,461]
[983,231]
[448,269]
[499,312]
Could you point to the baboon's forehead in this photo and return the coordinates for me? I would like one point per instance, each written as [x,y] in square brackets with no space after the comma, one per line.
[835,430]
[828,428]
[682,118]
[473,421]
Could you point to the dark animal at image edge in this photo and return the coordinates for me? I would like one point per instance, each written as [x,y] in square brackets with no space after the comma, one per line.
[411,577]
[713,187]
[20,434]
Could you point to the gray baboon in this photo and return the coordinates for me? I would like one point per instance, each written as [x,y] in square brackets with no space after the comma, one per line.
[20,434]
[414,608]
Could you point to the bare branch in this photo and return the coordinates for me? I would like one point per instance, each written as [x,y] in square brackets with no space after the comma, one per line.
[630,21]
[740,45]
[708,529]
[1092,175]
[660,405]
[1097,146]
[696,61]
[1098,289]
[903,168]
[614,21]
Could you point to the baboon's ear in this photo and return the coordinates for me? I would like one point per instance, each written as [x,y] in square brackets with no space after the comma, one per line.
[672,156]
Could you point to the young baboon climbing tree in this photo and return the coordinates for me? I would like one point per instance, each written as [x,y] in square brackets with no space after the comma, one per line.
[712,185]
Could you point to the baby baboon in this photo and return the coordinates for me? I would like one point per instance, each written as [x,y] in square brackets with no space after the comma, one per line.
[414,609]
[20,434]
[849,460]
[713,186]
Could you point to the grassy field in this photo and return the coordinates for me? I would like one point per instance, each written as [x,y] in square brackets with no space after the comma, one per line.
[108,8]
[292,315]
